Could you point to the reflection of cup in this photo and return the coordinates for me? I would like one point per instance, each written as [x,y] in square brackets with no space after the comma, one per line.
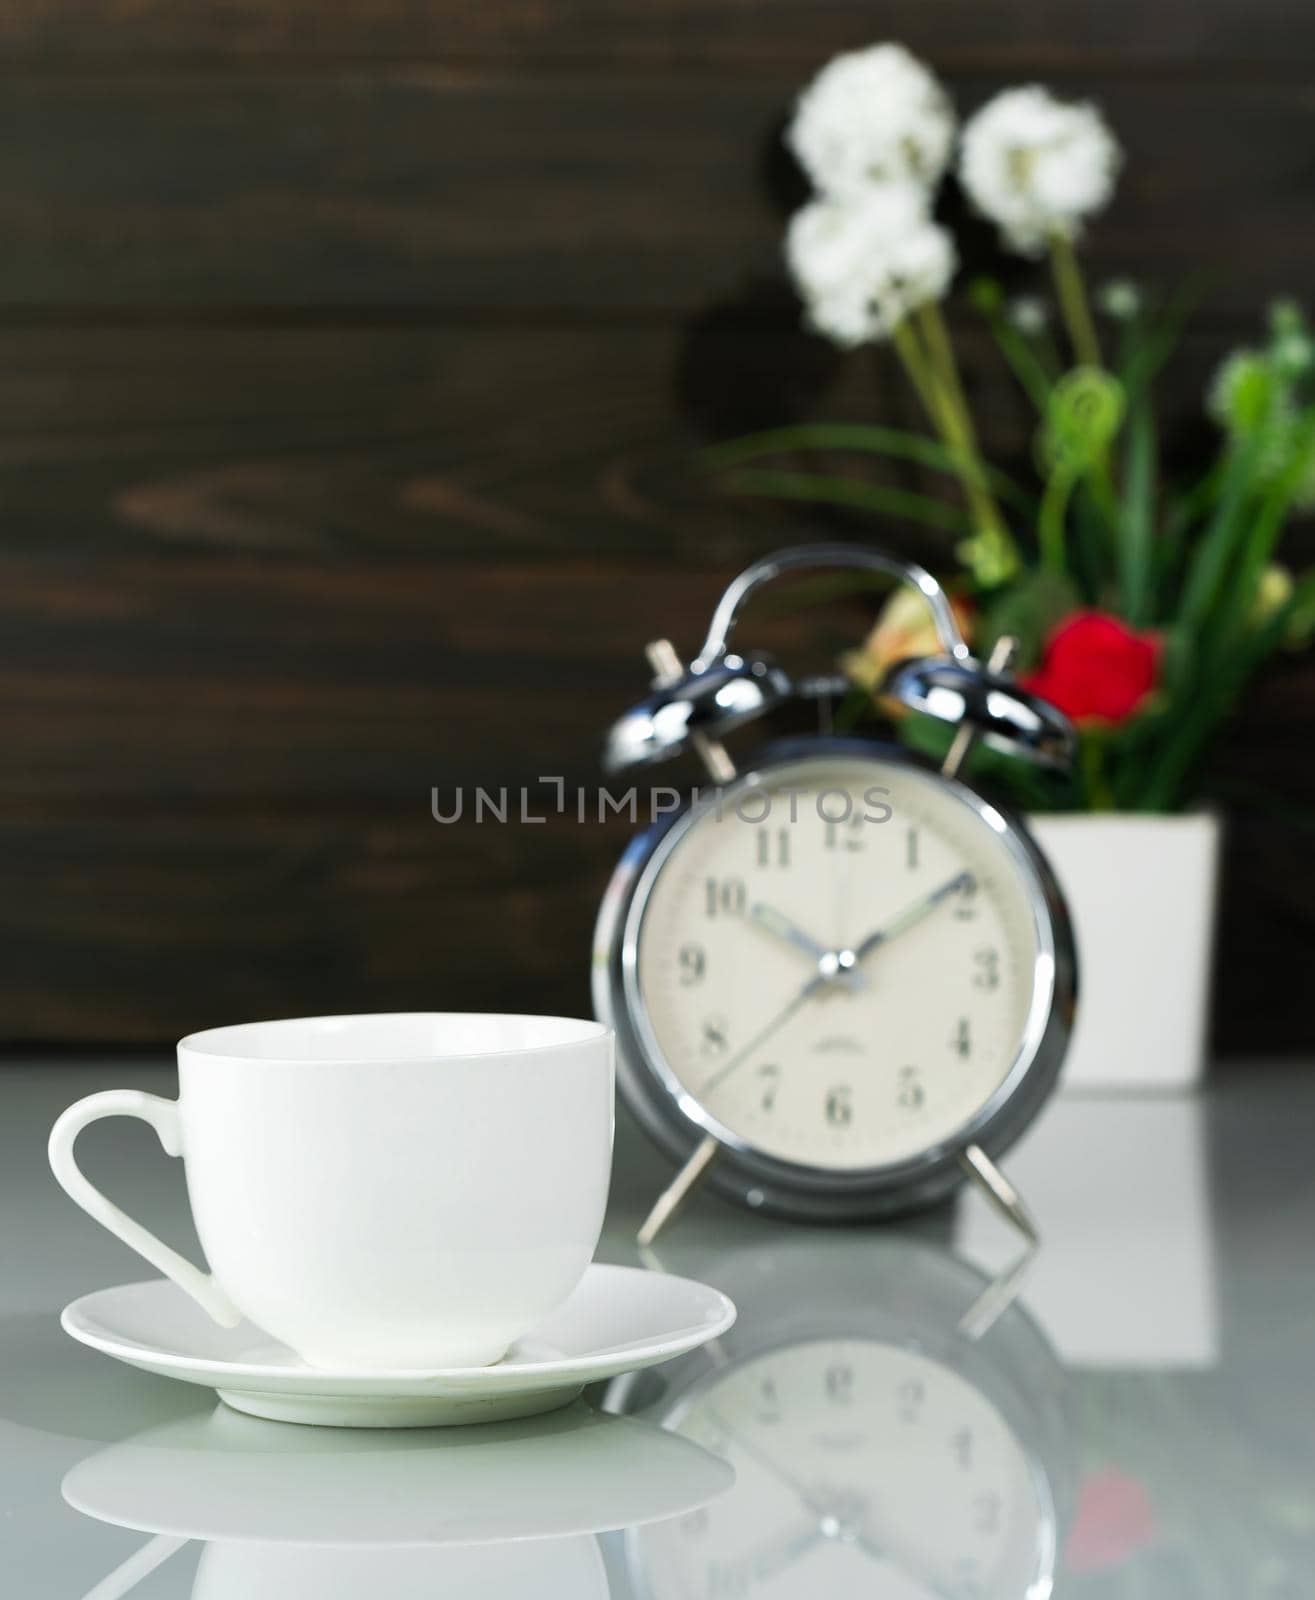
[541,1569]
[380,1192]
[506,1511]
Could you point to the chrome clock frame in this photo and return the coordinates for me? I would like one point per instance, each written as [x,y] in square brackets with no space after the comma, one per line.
[677,1123]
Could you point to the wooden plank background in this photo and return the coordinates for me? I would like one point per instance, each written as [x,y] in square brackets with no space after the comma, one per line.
[353,360]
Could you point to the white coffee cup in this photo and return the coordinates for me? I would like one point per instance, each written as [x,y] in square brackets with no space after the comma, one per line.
[380,1193]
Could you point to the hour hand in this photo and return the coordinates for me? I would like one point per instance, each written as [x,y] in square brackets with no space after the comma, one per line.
[828,962]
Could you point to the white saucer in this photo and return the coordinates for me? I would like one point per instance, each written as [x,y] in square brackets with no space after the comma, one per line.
[617,1320]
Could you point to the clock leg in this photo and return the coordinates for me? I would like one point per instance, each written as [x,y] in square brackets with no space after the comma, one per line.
[674,1196]
[997,1296]
[999,1191]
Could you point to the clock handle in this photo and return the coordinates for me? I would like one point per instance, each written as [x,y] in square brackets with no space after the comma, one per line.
[803,557]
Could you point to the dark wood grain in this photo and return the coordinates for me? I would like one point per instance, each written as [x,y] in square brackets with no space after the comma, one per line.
[135,927]
[354,359]
[1013,35]
[586,194]
[138,927]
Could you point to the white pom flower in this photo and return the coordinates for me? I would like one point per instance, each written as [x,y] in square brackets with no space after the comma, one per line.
[863,264]
[869,117]
[1036,166]
[1028,313]
[1120,299]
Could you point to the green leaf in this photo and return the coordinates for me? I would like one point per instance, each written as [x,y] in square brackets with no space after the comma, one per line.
[1152,341]
[1138,512]
[1029,610]
[1198,715]
[864,439]
[1218,545]
[874,497]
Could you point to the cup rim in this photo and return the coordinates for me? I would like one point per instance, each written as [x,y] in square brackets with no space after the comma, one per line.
[209,1042]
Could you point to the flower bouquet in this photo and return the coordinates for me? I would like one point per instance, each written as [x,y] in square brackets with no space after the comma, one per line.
[1142,601]
[1142,604]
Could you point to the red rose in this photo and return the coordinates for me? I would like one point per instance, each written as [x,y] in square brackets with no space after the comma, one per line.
[1096,669]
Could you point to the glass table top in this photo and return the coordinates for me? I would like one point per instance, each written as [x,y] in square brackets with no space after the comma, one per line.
[910,1411]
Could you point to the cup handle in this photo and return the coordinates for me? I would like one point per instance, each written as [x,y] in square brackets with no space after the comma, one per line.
[163,1117]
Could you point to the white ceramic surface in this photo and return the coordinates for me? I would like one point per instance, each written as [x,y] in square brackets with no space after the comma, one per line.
[387,1192]
[1141,890]
[616,1320]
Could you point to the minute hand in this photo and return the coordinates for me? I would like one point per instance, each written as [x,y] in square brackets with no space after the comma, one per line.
[911,915]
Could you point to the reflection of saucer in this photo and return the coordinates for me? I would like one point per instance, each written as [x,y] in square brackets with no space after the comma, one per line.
[229,1478]
[617,1319]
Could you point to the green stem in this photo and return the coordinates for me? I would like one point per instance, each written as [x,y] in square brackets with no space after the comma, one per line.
[1072,295]
[1091,752]
[1026,366]
[941,396]
[937,339]
[908,347]
[1050,522]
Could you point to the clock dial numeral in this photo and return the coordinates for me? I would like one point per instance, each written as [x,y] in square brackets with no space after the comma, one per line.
[986,1510]
[910,1397]
[769,1401]
[693,965]
[725,897]
[845,835]
[773,847]
[910,1094]
[714,1037]
[771,1082]
[965,908]
[840,1106]
[911,849]
[840,1383]
[986,964]
[962,1444]
[961,1040]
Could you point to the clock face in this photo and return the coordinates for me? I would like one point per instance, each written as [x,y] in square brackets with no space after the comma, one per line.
[840,963]
[861,1469]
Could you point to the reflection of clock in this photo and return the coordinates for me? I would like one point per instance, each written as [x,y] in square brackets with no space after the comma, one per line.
[877,1452]
[856,1463]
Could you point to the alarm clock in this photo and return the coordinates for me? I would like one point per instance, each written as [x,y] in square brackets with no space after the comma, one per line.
[878,1447]
[841,978]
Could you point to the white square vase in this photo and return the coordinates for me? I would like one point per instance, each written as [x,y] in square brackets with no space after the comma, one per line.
[1141,892]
